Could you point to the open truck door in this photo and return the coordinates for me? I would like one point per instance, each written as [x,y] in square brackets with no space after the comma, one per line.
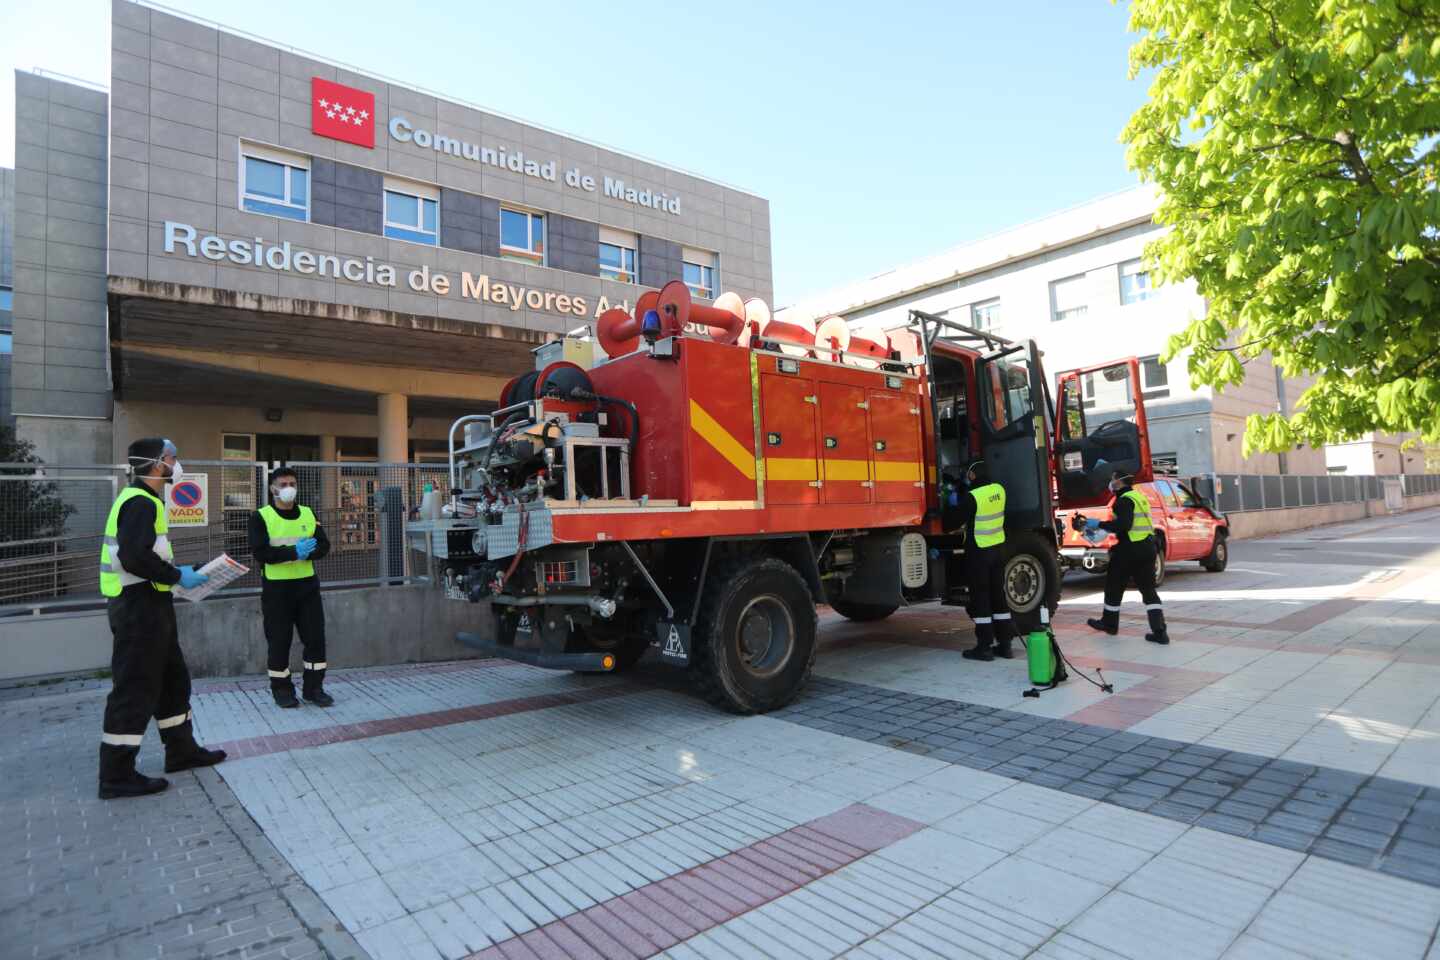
[1100,427]
[1014,440]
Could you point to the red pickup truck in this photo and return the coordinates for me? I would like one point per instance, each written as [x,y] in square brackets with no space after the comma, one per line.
[1187,526]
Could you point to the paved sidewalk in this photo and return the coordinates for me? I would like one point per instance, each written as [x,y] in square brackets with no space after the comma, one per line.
[1267,786]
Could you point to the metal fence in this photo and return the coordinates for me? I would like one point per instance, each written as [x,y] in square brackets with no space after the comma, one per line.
[52,519]
[1241,493]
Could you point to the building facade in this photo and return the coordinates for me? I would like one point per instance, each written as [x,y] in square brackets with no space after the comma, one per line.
[1076,284]
[7,287]
[267,256]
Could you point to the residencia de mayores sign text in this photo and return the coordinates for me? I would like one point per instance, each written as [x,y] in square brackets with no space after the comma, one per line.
[182,238]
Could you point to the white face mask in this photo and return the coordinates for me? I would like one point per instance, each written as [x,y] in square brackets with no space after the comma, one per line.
[286,494]
[177,473]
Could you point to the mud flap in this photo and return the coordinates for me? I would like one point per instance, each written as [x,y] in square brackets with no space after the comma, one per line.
[674,642]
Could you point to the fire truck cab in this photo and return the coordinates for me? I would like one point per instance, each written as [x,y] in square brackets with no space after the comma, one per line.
[711,476]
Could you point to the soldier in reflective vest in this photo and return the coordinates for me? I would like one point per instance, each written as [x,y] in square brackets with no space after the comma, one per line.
[287,539]
[982,509]
[1131,559]
[148,669]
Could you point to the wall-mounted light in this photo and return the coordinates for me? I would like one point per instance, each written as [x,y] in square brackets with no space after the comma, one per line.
[274,414]
[1229,436]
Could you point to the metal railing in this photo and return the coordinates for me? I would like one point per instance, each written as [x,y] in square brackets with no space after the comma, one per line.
[1242,493]
[52,519]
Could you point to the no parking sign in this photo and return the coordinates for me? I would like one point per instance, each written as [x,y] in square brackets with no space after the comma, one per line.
[187,502]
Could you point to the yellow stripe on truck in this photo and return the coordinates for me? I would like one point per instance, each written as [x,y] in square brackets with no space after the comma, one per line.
[793,469]
[720,439]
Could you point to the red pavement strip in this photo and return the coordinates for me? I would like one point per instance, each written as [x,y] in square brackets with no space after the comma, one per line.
[657,916]
[360,676]
[279,742]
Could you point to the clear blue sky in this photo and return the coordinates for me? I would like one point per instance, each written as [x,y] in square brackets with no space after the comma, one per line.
[880,132]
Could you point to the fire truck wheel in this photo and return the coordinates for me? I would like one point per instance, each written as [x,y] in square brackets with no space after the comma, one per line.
[863,612]
[1032,574]
[755,641]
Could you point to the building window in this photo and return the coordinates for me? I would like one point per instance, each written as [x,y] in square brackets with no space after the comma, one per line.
[698,267]
[7,299]
[1068,298]
[1134,282]
[1154,379]
[412,212]
[274,183]
[985,315]
[1087,391]
[619,259]
[522,236]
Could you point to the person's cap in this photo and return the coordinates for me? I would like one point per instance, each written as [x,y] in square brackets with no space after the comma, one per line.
[151,449]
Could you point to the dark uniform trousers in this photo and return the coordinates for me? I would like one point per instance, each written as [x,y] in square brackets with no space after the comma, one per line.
[985,574]
[288,607]
[1132,561]
[150,680]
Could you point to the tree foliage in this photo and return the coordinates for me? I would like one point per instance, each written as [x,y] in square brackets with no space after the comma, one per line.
[1295,142]
[30,510]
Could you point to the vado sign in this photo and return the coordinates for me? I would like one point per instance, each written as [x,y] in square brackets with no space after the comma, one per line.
[183,239]
[187,502]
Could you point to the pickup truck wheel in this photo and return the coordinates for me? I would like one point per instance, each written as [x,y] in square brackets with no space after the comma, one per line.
[1159,561]
[1031,574]
[1219,554]
[754,642]
[863,612]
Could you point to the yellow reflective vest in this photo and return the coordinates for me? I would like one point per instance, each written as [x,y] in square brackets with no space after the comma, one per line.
[989,515]
[114,577]
[287,533]
[1141,527]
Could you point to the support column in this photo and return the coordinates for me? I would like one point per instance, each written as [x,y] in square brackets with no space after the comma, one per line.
[330,478]
[392,427]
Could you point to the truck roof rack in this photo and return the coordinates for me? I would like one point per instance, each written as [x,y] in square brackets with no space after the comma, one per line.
[934,327]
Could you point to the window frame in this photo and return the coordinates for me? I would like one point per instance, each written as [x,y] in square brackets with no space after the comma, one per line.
[531,256]
[625,242]
[1155,391]
[1139,269]
[423,193]
[1073,313]
[695,257]
[284,158]
[984,306]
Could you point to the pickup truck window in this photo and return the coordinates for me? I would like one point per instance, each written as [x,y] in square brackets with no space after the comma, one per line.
[1187,496]
[1167,493]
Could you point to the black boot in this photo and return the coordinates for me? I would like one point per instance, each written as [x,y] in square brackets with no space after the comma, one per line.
[1109,622]
[183,753]
[1004,650]
[313,689]
[1158,633]
[283,690]
[119,778]
[981,651]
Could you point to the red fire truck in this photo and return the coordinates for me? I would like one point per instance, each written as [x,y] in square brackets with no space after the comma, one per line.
[713,474]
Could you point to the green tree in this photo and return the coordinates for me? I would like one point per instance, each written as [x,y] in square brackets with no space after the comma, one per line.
[1295,142]
[31,512]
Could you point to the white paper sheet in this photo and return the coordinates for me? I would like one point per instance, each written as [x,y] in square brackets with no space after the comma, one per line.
[221,571]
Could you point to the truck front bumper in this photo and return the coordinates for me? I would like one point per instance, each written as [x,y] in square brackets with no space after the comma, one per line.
[578,662]
[1084,558]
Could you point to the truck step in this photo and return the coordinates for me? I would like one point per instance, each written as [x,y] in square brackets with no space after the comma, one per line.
[578,662]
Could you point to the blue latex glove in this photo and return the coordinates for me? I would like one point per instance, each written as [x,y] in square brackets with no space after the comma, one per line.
[189,579]
[1091,523]
[305,547]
